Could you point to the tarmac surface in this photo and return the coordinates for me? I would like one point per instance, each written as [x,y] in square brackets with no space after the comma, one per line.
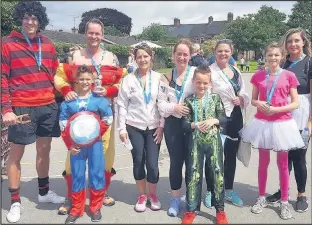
[123,189]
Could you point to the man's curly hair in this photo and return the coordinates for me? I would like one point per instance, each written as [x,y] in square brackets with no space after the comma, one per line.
[31,8]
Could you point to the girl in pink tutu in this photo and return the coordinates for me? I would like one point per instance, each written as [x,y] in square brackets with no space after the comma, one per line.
[273,128]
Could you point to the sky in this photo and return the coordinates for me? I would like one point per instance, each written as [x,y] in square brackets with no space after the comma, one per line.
[143,13]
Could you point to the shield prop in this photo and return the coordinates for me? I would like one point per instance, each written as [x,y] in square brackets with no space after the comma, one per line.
[84,128]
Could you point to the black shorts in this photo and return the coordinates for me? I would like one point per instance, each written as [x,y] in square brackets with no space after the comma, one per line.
[43,120]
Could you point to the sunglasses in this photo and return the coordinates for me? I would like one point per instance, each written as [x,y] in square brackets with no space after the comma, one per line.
[225,41]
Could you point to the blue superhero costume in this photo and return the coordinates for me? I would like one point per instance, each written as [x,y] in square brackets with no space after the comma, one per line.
[94,153]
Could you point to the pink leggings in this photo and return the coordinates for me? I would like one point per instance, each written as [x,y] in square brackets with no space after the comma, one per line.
[282,163]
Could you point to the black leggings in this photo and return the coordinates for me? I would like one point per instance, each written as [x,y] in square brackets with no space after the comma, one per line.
[298,159]
[145,152]
[177,143]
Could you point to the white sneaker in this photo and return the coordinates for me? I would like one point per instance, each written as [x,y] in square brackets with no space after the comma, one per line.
[14,214]
[155,203]
[51,197]
[140,206]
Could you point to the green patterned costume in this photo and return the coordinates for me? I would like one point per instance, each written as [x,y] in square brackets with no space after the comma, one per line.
[204,145]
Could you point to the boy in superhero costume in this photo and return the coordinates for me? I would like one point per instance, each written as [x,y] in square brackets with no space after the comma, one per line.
[64,80]
[88,103]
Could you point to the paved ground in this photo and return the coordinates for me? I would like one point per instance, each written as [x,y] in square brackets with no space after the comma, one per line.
[123,189]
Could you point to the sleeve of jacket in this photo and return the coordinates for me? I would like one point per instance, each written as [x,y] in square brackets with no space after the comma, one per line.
[165,108]
[61,81]
[122,106]
[243,92]
[5,74]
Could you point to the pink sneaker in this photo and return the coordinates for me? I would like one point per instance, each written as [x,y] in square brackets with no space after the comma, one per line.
[155,203]
[140,206]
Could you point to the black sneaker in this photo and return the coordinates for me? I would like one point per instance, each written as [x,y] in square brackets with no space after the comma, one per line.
[274,198]
[71,219]
[96,217]
[301,204]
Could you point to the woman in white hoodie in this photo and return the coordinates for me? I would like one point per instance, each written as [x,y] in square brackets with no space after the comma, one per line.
[140,125]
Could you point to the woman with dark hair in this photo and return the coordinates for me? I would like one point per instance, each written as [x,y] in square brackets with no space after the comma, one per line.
[140,125]
[227,81]
[298,61]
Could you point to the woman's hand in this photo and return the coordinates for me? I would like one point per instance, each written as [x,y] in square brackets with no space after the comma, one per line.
[158,135]
[71,96]
[123,137]
[181,109]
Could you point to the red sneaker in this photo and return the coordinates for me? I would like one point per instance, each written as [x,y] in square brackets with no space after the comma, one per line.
[221,218]
[188,218]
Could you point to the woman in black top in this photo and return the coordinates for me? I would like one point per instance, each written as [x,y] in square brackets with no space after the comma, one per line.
[299,61]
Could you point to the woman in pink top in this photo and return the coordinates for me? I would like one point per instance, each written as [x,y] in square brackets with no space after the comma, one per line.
[273,127]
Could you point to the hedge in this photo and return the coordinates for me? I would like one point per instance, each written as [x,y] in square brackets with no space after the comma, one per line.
[162,55]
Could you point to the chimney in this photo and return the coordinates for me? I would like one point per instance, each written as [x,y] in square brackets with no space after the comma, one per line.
[230,17]
[210,19]
[74,30]
[176,22]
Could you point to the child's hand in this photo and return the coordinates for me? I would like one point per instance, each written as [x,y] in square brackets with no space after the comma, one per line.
[74,150]
[263,106]
[204,126]
[272,110]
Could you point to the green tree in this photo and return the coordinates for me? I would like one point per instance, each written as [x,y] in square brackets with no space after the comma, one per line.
[301,16]
[113,31]
[155,32]
[109,17]
[255,31]
[7,22]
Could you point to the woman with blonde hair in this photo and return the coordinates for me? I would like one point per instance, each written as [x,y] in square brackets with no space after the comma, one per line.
[298,61]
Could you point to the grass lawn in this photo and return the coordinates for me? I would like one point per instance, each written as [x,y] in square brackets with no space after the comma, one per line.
[164,70]
[252,67]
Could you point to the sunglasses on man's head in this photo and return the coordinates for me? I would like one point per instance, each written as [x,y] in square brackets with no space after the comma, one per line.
[225,41]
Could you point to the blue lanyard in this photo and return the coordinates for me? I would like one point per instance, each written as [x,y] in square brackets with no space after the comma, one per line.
[39,57]
[269,93]
[86,107]
[175,77]
[235,86]
[96,67]
[297,60]
[147,98]
[206,105]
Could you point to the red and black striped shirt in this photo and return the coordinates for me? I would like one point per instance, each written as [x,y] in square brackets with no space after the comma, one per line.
[22,84]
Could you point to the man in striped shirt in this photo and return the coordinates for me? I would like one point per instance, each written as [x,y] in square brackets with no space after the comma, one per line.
[28,65]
